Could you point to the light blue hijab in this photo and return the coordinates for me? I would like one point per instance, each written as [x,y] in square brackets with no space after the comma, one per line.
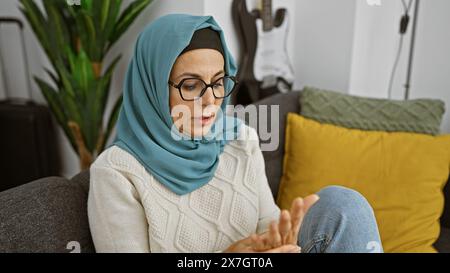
[144,124]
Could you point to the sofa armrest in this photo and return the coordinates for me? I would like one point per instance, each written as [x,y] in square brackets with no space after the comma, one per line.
[443,243]
[445,218]
[44,216]
[287,102]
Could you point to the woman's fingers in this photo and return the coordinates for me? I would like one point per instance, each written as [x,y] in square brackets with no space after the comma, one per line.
[297,212]
[285,249]
[257,242]
[285,226]
[286,231]
[267,240]
[274,235]
[309,201]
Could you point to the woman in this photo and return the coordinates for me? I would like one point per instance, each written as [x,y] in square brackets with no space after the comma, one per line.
[183,177]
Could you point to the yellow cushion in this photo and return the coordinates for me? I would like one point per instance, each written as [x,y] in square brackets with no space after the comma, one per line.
[402,175]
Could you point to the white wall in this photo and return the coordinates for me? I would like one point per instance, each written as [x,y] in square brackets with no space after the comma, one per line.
[320,38]
[342,45]
[221,10]
[374,48]
[431,74]
[9,41]
[375,45]
[323,43]
[37,59]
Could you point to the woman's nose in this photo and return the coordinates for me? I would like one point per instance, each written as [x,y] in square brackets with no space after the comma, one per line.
[208,98]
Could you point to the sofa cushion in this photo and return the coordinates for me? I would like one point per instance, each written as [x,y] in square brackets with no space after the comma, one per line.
[416,115]
[400,174]
[44,216]
[82,179]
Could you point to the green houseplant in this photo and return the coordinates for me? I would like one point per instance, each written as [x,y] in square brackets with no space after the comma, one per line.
[76,36]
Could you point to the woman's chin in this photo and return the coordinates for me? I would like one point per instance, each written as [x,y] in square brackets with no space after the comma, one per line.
[199,131]
[199,128]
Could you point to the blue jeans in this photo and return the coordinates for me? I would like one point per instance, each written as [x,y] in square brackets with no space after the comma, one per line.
[342,221]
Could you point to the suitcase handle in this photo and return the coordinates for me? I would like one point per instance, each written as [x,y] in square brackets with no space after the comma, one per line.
[11,20]
[19,23]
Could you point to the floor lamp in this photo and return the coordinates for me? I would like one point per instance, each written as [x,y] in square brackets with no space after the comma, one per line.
[411,50]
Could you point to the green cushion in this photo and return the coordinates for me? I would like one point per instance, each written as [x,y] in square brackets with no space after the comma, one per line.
[418,115]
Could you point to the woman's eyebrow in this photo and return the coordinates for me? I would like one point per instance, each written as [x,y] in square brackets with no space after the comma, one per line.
[195,75]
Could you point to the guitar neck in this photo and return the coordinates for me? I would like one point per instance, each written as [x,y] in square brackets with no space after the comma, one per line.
[267,15]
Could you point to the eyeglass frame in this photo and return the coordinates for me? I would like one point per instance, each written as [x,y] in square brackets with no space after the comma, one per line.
[178,86]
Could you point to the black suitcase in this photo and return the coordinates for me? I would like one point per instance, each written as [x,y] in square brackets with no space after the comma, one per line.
[28,147]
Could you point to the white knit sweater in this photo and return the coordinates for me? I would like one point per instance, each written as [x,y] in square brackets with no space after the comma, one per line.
[130,211]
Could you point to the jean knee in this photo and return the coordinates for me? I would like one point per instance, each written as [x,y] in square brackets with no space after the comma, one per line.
[345,218]
[344,200]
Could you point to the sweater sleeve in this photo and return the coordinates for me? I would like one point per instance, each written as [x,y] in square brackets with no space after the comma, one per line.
[116,217]
[268,210]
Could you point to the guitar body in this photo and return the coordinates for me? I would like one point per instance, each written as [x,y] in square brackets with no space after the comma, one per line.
[271,61]
[245,24]
[264,67]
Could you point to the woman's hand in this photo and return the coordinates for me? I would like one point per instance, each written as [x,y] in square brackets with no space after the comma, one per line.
[286,231]
[247,246]
[282,235]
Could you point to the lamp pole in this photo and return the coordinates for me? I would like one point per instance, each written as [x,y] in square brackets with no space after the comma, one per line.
[411,50]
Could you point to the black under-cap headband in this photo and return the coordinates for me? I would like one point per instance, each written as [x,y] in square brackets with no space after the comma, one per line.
[205,38]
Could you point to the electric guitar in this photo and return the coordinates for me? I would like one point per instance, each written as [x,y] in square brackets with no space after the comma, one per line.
[265,67]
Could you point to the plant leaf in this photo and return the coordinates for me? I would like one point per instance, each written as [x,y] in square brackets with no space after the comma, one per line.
[87,34]
[112,120]
[127,18]
[59,37]
[52,97]
[87,5]
[52,75]
[106,82]
[37,22]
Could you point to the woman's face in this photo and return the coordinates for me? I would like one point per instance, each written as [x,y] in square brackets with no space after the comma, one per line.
[195,118]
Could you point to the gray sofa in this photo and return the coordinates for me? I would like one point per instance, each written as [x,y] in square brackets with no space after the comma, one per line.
[47,214]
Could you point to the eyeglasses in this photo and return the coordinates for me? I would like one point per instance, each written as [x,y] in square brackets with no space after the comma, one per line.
[194,88]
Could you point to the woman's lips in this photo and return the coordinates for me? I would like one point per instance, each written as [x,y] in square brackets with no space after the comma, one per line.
[204,120]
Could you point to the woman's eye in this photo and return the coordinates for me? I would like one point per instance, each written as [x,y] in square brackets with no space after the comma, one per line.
[190,87]
[218,85]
